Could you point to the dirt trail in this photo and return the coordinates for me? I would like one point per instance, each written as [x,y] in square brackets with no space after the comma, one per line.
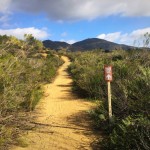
[63,119]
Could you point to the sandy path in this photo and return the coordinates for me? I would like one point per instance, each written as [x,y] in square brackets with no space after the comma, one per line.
[65,124]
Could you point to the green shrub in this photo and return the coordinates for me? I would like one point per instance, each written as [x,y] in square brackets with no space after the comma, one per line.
[130,94]
[130,134]
[22,75]
[32,99]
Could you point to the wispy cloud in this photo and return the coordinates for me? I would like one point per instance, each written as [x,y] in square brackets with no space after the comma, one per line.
[19,32]
[134,38]
[4,18]
[64,34]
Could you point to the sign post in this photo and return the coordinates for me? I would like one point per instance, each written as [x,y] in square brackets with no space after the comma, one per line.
[108,78]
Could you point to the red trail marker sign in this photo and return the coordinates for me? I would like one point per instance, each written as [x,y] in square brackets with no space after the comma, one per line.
[108,73]
[108,78]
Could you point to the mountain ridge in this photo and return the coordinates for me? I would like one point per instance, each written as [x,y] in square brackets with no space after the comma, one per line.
[86,45]
[56,45]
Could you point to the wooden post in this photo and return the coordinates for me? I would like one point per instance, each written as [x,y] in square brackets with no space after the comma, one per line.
[109,101]
[108,78]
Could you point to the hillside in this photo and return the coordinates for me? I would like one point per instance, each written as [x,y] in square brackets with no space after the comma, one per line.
[95,43]
[85,45]
[56,45]
[130,128]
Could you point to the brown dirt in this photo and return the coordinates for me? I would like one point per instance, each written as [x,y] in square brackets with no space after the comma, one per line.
[62,119]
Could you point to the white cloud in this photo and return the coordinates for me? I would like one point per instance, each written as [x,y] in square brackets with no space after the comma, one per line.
[71,41]
[4,11]
[64,34]
[19,32]
[134,38]
[68,41]
[110,36]
[4,5]
[79,9]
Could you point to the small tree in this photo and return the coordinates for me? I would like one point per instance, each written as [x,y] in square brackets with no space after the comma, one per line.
[146,40]
[31,44]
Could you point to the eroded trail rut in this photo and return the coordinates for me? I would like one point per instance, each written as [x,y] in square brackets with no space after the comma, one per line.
[63,119]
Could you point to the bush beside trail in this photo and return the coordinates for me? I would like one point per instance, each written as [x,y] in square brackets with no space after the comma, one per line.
[130,95]
[23,71]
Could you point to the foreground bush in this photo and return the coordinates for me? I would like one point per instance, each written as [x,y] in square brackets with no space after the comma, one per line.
[130,134]
[130,94]
[23,70]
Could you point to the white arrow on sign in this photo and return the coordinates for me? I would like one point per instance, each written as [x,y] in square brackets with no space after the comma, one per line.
[108,77]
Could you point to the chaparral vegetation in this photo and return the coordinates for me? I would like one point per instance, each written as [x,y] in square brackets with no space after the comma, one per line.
[25,65]
[130,126]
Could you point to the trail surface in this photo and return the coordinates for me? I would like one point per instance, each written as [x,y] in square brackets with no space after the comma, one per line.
[62,118]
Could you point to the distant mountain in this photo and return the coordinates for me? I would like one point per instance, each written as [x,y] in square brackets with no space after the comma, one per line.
[86,45]
[95,43]
[56,45]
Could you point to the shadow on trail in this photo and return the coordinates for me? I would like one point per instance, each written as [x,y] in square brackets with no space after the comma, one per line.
[60,126]
[83,120]
[64,85]
[79,123]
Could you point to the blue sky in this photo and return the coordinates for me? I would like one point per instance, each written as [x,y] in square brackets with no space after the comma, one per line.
[121,21]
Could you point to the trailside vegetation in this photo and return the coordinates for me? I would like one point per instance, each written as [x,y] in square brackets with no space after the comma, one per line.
[130,127]
[25,65]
